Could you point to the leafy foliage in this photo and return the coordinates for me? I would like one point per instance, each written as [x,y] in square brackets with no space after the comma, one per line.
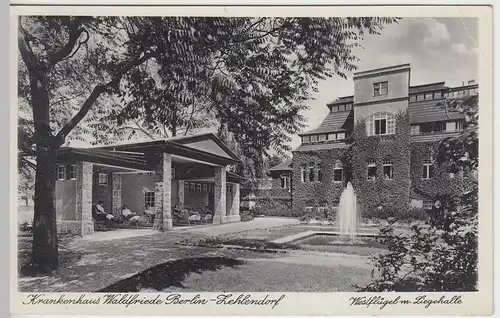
[440,254]
[390,196]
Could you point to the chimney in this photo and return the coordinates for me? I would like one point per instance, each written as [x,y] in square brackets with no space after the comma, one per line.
[463,83]
[471,82]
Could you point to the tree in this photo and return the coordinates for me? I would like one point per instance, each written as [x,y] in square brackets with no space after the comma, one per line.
[254,73]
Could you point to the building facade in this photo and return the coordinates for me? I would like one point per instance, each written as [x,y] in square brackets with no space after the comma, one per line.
[381,139]
[190,171]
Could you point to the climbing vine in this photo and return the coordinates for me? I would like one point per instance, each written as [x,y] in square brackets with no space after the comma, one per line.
[380,197]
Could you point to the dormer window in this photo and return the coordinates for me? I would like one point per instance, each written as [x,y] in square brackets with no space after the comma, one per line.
[380,89]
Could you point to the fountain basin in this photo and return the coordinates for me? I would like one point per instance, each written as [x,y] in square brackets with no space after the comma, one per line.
[308,234]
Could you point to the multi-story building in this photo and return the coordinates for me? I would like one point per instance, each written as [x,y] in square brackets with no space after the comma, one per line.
[381,139]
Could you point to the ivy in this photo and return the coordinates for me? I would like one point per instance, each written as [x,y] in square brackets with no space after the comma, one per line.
[380,196]
[326,191]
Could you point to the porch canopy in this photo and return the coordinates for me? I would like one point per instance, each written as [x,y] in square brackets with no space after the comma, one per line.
[204,151]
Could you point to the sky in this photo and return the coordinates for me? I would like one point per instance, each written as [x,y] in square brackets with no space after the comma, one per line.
[438,49]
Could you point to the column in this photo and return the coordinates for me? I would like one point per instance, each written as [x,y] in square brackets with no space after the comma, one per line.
[116,180]
[180,193]
[220,195]
[235,207]
[163,190]
[84,198]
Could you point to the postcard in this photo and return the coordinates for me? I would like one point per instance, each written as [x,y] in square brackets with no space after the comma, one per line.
[251,160]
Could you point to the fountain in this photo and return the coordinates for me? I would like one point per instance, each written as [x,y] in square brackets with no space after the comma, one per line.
[347,234]
[347,212]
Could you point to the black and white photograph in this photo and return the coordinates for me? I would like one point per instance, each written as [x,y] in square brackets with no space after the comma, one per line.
[248,154]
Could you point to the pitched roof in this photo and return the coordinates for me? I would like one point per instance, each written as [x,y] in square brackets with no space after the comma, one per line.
[433,137]
[427,87]
[430,111]
[334,121]
[284,166]
[321,146]
[207,143]
[342,100]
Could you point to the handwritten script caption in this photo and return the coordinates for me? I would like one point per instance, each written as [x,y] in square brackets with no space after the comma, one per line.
[423,300]
[153,299]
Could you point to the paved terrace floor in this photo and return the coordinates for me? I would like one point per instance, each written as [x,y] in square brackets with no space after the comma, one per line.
[146,260]
[229,228]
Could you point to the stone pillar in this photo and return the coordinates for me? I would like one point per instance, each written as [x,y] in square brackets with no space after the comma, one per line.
[163,191]
[180,193]
[84,198]
[116,180]
[220,195]
[235,207]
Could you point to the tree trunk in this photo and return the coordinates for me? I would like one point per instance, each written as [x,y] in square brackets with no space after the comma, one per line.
[45,255]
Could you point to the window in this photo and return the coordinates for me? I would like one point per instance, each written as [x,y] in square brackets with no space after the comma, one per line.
[372,170]
[454,126]
[387,169]
[338,170]
[415,129]
[427,204]
[341,108]
[314,138]
[322,137]
[303,174]
[340,135]
[335,109]
[186,186]
[428,96]
[103,178]
[61,172]
[311,174]
[191,187]
[427,169]
[205,188]
[173,173]
[381,124]
[306,139]
[198,187]
[420,97]
[284,182]
[380,89]
[413,98]
[332,136]
[320,176]
[348,107]
[438,95]
[149,198]
[72,172]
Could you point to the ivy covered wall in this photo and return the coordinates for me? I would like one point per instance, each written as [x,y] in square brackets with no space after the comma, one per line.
[391,196]
[443,182]
[276,190]
[315,194]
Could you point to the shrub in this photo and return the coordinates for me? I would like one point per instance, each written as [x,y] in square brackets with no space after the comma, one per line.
[440,255]
[25,227]
[271,207]
[246,215]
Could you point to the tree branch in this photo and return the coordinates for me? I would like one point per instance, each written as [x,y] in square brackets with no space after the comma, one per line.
[96,92]
[27,54]
[74,34]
